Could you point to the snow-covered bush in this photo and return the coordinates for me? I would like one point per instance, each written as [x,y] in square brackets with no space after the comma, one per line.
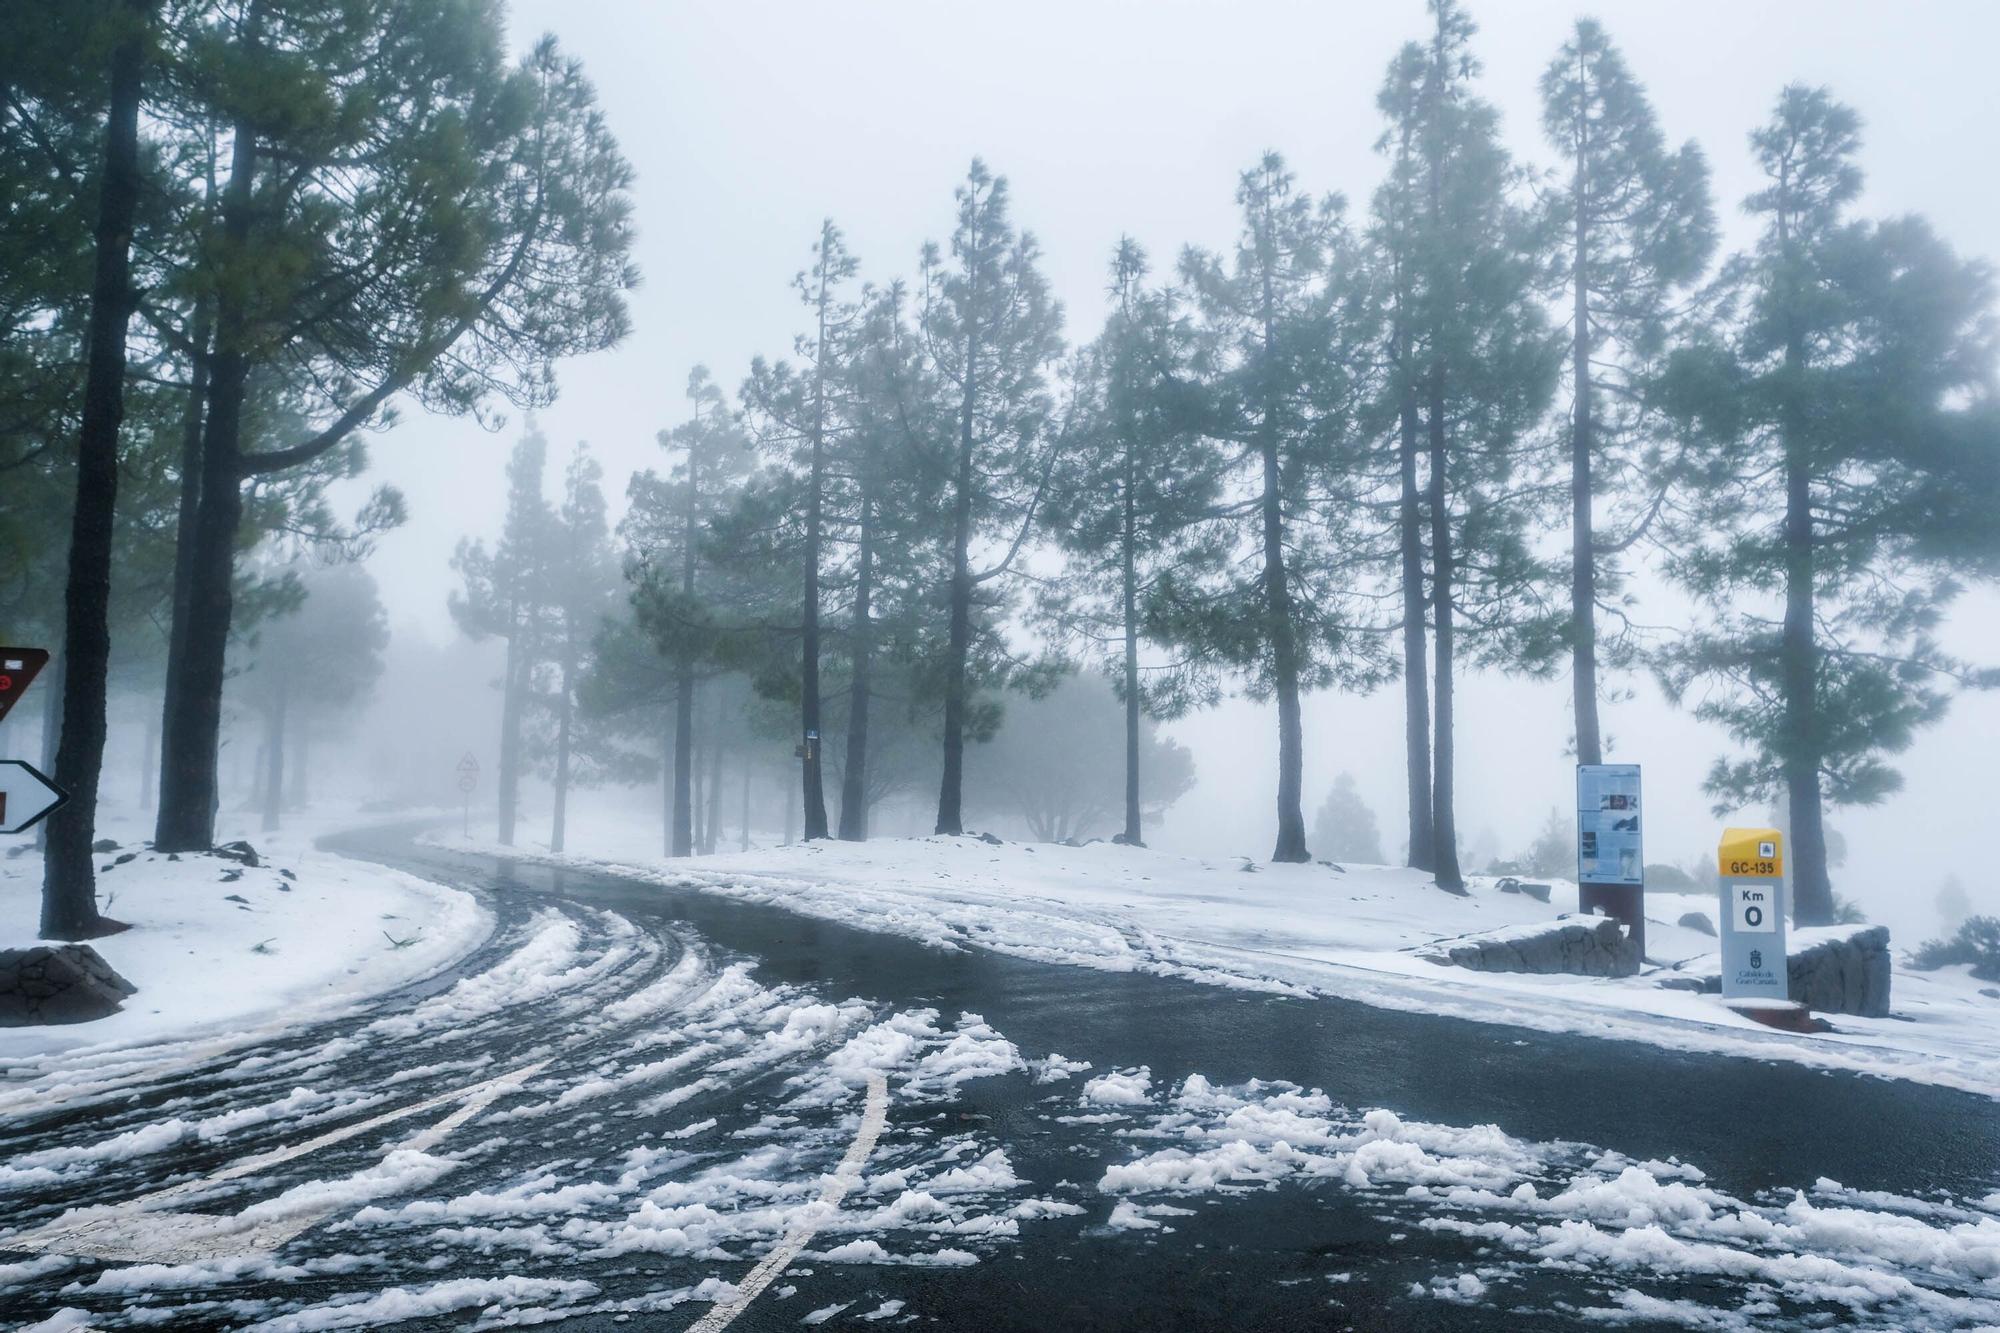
[1977,942]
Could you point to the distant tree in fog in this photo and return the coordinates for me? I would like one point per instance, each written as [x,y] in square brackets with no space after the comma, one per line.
[1056,763]
[581,584]
[1283,375]
[1632,226]
[1344,829]
[1134,497]
[506,595]
[670,565]
[990,332]
[322,655]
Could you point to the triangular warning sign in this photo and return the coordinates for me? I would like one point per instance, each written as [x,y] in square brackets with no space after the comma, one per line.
[18,669]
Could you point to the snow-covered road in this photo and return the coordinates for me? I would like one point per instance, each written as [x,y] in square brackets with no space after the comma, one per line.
[635,1103]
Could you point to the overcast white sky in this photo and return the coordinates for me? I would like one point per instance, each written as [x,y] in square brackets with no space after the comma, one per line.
[748,122]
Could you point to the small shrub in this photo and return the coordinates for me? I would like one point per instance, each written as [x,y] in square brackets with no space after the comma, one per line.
[1977,943]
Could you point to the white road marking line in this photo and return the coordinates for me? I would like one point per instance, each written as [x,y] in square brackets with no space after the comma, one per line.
[142,1231]
[845,1177]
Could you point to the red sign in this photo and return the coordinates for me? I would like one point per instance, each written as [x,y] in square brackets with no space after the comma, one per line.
[18,669]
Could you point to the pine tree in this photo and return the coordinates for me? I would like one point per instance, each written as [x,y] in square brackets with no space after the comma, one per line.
[666,529]
[1852,472]
[69,902]
[450,231]
[1633,226]
[1055,763]
[991,330]
[322,653]
[582,581]
[1482,365]
[802,416]
[889,506]
[1345,828]
[1285,382]
[1394,237]
[1132,492]
[506,596]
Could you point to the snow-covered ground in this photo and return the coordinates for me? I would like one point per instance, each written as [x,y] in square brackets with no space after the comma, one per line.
[1314,929]
[222,950]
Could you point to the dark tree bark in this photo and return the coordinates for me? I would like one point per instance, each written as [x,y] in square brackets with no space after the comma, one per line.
[815,788]
[191,723]
[1811,885]
[69,891]
[1444,823]
[1583,559]
[274,759]
[681,824]
[950,817]
[1422,853]
[1291,845]
[1129,575]
[186,519]
[854,777]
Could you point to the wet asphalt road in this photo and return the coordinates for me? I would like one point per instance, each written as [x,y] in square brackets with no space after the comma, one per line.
[587,1190]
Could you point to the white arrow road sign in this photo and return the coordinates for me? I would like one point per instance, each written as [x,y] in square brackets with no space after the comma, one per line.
[26,795]
[148,1230]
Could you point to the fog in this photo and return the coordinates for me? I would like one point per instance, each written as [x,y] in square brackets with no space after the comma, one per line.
[748,123]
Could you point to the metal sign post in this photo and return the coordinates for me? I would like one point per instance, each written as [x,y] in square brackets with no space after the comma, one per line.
[468,782]
[1610,847]
[1751,865]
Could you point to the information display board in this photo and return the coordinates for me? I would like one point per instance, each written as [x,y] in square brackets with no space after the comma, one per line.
[1609,844]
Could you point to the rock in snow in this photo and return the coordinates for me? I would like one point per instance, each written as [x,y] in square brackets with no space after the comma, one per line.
[1593,948]
[67,983]
[1698,922]
[1831,970]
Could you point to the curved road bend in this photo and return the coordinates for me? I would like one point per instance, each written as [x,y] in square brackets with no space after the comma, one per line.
[631,1095]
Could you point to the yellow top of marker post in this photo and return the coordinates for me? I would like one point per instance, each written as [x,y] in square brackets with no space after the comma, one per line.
[1751,853]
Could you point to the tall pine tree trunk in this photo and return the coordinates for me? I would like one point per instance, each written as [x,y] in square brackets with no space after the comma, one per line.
[950,817]
[274,759]
[1583,559]
[743,825]
[667,734]
[191,728]
[69,891]
[711,824]
[1422,853]
[194,417]
[1291,845]
[1130,578]
[813,772]
[507,783]
[1444,821]
[1812,886]
[854,777]
[560,818]
[296,794]
[681,822]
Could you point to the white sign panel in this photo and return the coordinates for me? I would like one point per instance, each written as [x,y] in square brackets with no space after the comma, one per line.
[1609,847]
[1754,907]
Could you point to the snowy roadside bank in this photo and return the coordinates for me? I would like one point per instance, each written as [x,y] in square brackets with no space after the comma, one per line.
[220,949]
[1315,930]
